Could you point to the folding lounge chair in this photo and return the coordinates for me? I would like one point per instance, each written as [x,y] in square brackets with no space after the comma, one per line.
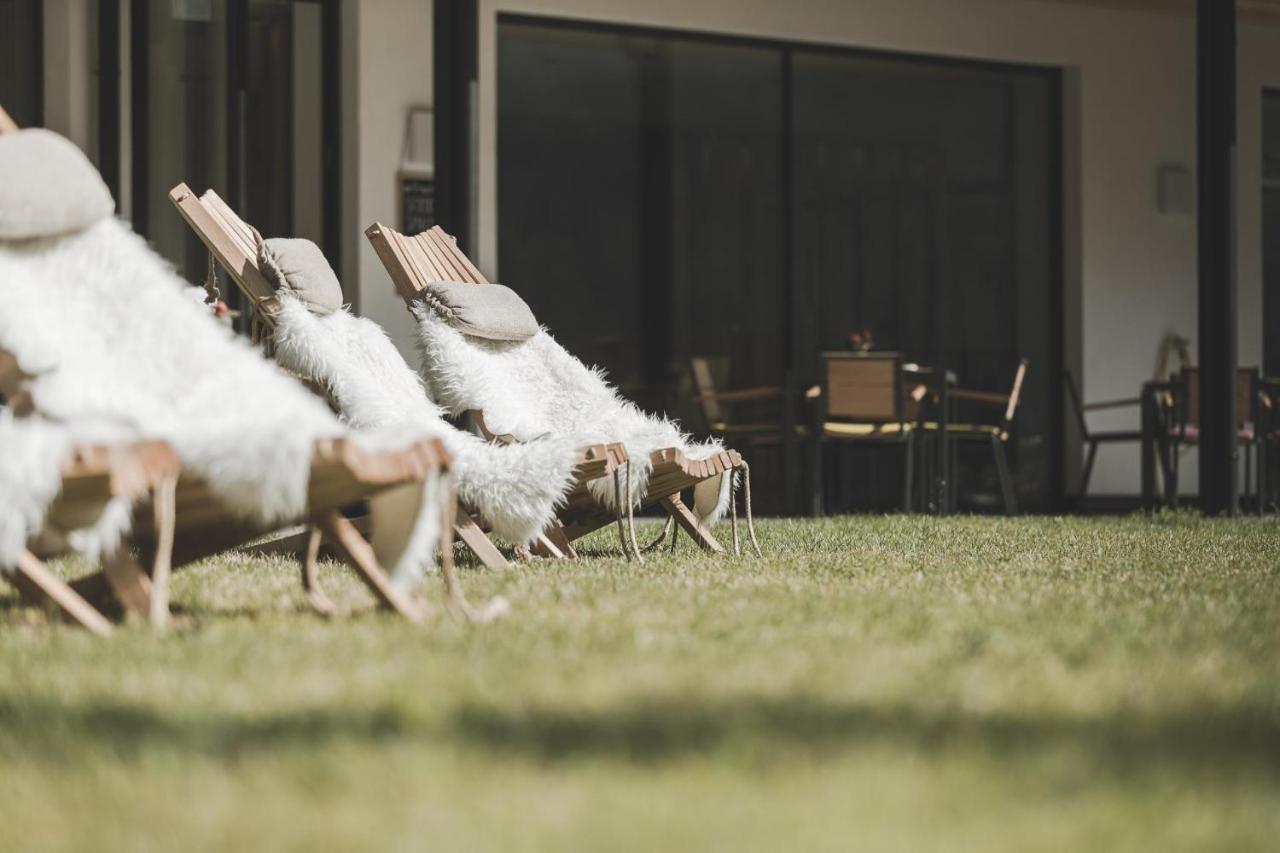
[234,243]
[92,478]
[433,256]
[213,508]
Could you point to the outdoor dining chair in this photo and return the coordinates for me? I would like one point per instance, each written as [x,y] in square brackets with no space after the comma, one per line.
[994,433]
[863,401]
[1094,438]
[1183,420]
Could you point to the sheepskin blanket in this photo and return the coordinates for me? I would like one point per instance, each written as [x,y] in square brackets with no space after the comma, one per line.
[32,452]
[536,388]
[106,325]
[516,489]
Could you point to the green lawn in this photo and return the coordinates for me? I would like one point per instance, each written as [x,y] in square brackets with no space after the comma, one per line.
[873,683]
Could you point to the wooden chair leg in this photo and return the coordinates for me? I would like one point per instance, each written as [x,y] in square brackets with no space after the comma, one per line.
[686,519]
[559,539]
[165,516]
[473,537]
[310,575]
[1006,480]
[546,546]
[129,582]
[39,582]
[359,555]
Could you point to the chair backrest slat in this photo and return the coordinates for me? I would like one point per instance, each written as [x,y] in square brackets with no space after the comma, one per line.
[705,385]
[214,223]
[430,255]
[237,226]
[864,387]
[439,259]
[420,263]
[449,245]
[1015,395]
[414,262]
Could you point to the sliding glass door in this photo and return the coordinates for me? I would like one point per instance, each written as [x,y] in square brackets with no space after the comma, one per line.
[665,195]
[236,96]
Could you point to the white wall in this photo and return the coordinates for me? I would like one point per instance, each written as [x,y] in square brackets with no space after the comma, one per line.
[1135,73]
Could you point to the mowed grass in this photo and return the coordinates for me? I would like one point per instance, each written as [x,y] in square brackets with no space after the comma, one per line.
[873,683]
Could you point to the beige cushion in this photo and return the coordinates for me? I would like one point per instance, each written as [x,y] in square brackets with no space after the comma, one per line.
[47,186]
[299,268]
[482,310]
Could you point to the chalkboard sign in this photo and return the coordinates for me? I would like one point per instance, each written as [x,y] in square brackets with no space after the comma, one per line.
[417,204]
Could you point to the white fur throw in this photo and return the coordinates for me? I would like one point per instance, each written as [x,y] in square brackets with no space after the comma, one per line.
[536,388]
[515,488]
[32,452]
[113,337]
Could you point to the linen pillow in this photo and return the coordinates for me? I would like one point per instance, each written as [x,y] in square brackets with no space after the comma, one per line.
[481,310]
[298,267]
[47,186]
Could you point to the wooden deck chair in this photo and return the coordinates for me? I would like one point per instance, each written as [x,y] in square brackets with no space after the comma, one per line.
[341,472]
[233,243]
[187,523]
[414,262]
[145,473]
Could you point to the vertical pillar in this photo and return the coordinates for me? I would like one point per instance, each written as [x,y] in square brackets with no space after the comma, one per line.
[1216,143]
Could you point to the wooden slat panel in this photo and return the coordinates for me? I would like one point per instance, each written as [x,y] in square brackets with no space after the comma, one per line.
[228,250]
[418,268]
[380,237]
[451,246]
[428,260]
[862,389]
[231,224]
[443,270]
[444,252]
[233,220]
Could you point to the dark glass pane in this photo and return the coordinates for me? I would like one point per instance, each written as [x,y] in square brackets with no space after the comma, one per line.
[924,213]
[187,120]
[643,212]
[639,213]
[283,180]
[1271,233]
[20,58]
[277,183]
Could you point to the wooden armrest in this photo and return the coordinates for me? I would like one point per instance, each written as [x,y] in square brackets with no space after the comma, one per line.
[764,392]
[1112,404]
[991,397]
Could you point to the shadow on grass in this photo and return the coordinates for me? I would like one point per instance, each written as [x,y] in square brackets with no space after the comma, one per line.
[653,731]
[1237,738]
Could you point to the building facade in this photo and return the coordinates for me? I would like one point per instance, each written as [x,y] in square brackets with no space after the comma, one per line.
[972,182]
